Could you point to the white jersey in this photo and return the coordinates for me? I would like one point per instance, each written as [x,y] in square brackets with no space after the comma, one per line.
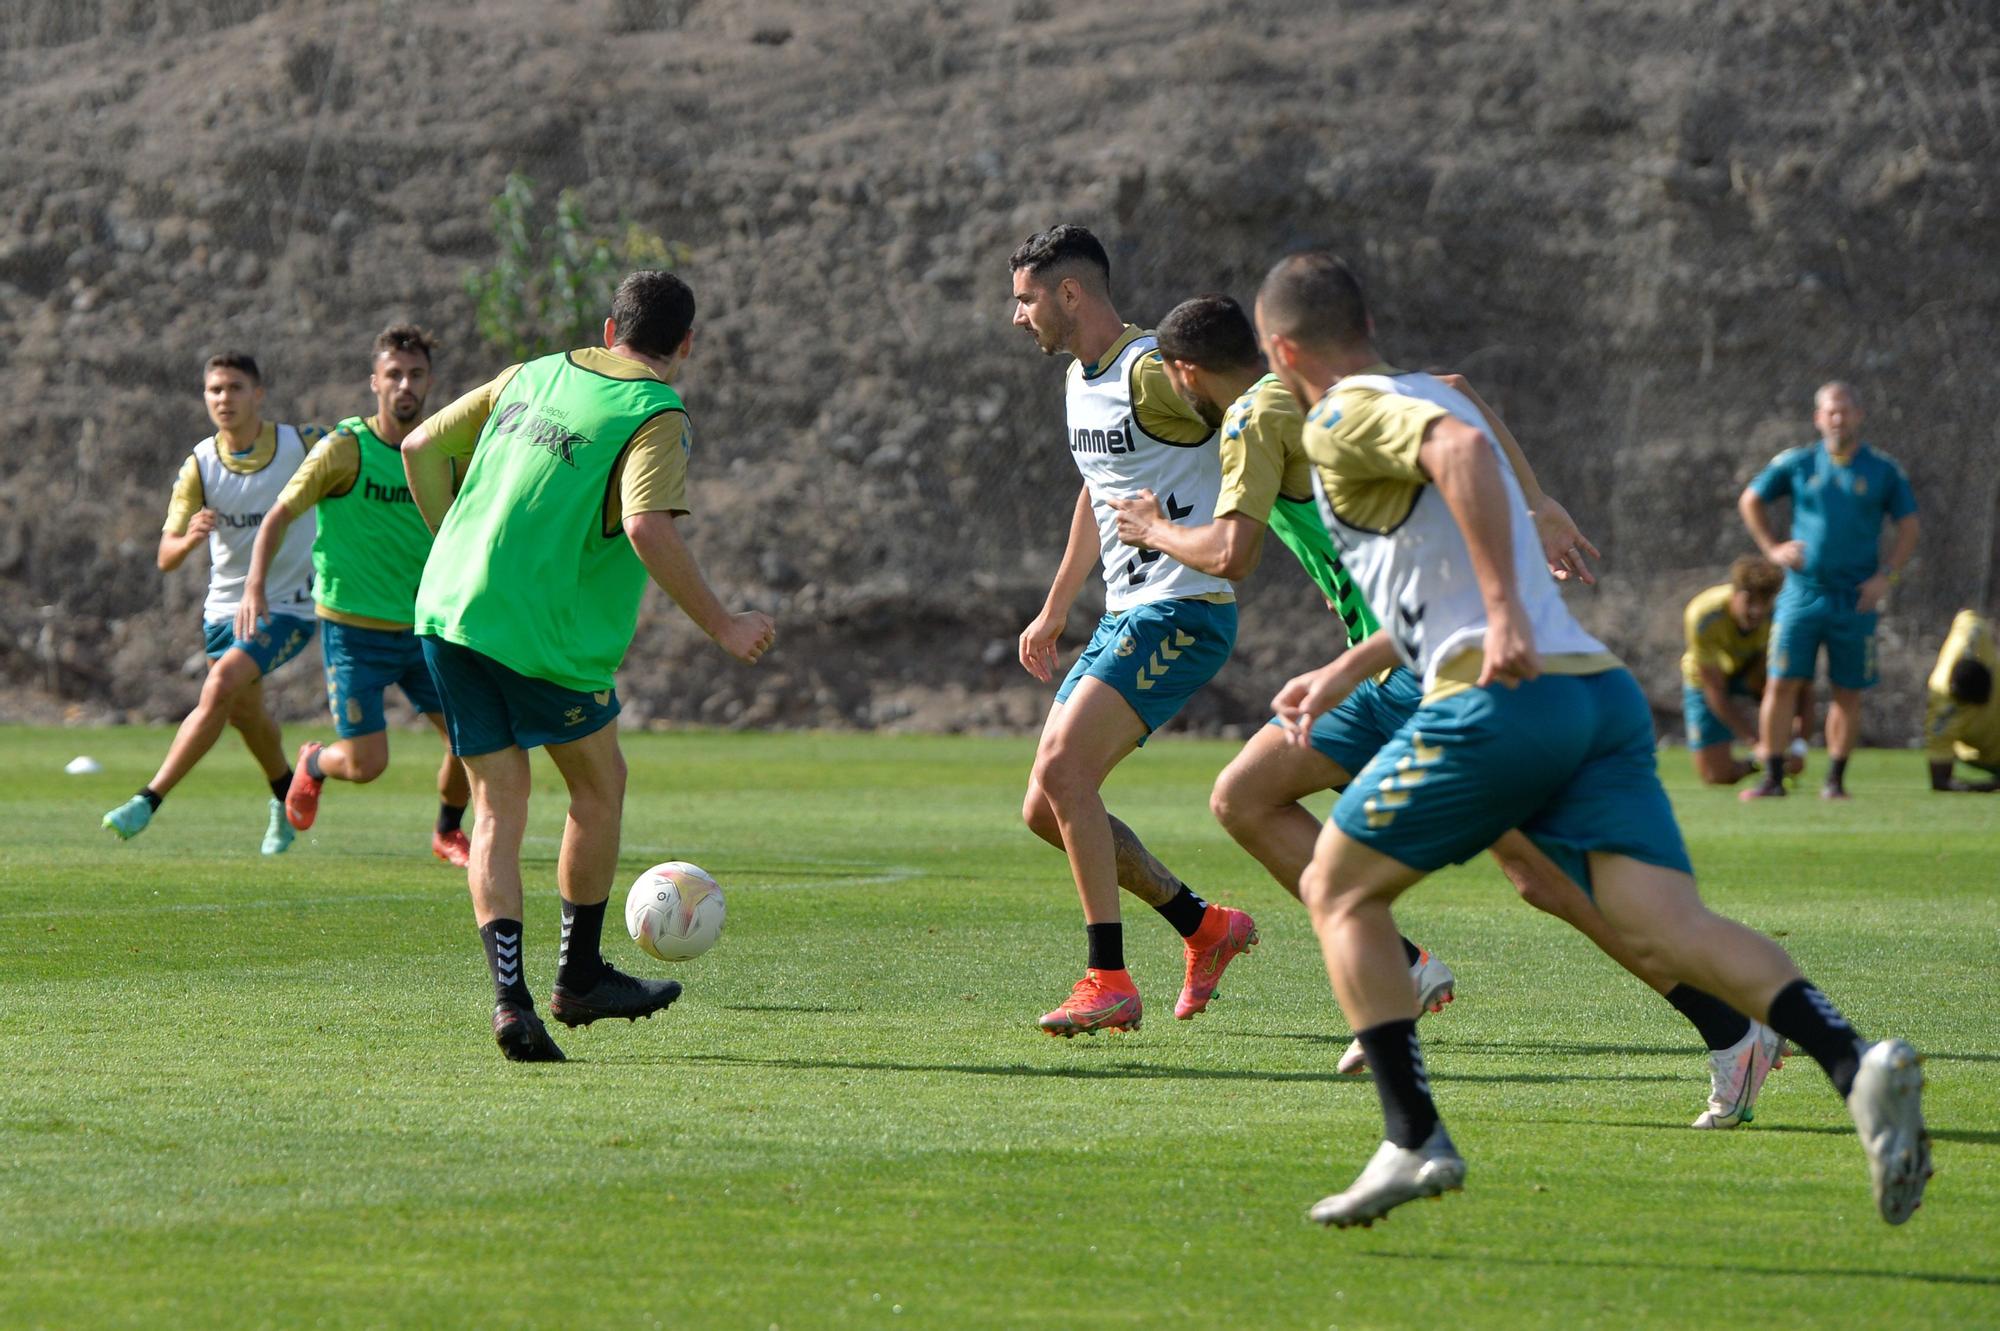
[1118,459]
[1418,575]
[240,501]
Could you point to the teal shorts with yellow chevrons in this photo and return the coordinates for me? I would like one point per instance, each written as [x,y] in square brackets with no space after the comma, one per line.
[1568,759]
[1157,655]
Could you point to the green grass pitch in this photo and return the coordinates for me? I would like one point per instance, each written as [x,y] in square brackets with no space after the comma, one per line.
[248,1092]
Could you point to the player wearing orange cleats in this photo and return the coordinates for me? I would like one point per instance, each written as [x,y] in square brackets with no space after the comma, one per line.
[368,555]
[1166,629]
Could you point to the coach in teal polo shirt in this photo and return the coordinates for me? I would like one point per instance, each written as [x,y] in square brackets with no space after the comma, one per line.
[1842,491]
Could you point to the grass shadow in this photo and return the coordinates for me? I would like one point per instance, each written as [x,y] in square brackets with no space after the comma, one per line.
[1702,1268]
[1119,1072]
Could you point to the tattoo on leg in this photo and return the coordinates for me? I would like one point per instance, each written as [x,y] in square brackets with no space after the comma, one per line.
[1138,872]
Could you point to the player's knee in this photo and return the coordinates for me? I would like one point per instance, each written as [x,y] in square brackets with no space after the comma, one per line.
[1059,780]
[1226,802]
[1039,814]
[1321,895]
[366,767]
[1715,769]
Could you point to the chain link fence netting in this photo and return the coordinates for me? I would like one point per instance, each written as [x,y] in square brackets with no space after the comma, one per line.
[1646,232]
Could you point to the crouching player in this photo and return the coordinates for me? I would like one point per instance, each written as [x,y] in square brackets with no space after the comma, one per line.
[1526,722]
[1727,628]
[367,557]
[1961,719]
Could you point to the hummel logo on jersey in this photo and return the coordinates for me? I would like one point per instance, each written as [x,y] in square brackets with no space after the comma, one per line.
[387,494]
[240,521]
[543,431]
[1101,441]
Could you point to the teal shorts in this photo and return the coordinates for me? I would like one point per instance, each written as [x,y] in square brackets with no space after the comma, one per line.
[1568,759]
[361,664]
[1808,617]
[1704,727]
[1353,733]
[1157,655]
[277,640]
[488,707]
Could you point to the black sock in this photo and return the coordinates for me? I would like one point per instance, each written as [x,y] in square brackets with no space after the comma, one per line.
[450,817]
[1774,771]
[581,960]
[1806,1017]
[152,797]
[503,957]
[1721,1025]
[1836,773]
[313,769]
[1184,912]
[1408,1116]
[281,786]
[1412,953]
[1107,946]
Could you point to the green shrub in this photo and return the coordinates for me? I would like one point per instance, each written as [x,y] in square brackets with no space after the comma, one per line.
[551,285]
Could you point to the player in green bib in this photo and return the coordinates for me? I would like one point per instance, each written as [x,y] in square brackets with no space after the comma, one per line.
[368,554]
[575,471]
[1211,353]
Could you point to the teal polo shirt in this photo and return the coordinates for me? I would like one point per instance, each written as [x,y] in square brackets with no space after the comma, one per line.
[1837,508]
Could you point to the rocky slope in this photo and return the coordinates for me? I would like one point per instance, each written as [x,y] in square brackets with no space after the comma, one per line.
[1646,230]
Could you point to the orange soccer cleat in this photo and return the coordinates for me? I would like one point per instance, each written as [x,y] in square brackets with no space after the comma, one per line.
[1101,1001]
[1223,934]
[302,798]
[452,847]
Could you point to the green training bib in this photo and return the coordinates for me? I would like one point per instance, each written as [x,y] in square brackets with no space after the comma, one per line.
[523,569]
[372,542]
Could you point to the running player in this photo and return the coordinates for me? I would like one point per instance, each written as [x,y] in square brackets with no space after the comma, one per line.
[1211,355]
[1962,718]
[530,596]
[225,487]
[1726,628]
[1842,491]
[367,558]
[1526,722]
[1166,629]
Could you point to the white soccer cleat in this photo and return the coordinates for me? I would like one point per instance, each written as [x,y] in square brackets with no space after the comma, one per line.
[1887,1104]
[1395,1175]
[1435,984]
[1736,1075]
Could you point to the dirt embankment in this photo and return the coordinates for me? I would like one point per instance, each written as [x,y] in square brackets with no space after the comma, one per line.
[1646,231]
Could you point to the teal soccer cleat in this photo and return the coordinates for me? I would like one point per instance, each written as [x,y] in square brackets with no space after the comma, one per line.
[278,835]
[130,818]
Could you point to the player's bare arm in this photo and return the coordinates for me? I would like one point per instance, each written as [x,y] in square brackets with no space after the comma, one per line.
[1038,640]
[1563,544]
[428,469]
[1715,688]
[1869,595]
[270,536]
[1757,519]
[174,550]
[1228,547]
[1305,698]
[1458,462]
[745,636]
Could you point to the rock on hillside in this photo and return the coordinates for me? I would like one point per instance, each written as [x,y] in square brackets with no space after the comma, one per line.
[1646,230]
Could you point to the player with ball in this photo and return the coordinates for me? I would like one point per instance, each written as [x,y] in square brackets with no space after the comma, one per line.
[577,470]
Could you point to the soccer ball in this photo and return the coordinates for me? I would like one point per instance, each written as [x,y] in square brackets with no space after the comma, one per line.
[674,912]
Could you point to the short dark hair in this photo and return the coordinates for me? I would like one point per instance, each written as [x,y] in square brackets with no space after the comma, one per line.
[1756,575]
[1211,331]
[652,312]
[1971,682]
[1314,298]
[405,337]
[1065,245]
[240,361]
